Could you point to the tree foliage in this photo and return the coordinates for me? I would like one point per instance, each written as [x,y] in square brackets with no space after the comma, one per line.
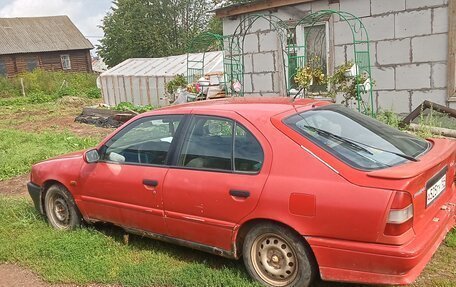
[155,28]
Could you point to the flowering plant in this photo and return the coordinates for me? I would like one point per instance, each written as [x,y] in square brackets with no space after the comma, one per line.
[308,76]
[194,88]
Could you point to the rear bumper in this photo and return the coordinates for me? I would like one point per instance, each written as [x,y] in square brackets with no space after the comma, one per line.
[371,263]
[35,193]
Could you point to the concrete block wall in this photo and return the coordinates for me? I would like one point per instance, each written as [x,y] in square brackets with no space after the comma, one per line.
[409,46]
[260,54]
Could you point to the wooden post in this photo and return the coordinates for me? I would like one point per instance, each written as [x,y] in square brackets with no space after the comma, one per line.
[452,50]
[23,87]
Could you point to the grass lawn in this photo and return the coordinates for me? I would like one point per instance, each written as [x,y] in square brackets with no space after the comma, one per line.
[98,255]
[34,132]
[90,255]
[20,149]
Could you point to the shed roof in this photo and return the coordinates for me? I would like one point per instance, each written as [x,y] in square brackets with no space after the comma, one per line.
[255,6]
[166,66]
[40,34]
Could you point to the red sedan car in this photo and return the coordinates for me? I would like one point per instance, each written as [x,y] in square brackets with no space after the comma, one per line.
[297,188]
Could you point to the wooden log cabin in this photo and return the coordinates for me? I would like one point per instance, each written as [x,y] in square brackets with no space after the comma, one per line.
[49,43]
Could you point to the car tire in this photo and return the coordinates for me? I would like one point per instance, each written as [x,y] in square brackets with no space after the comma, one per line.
[276,256]
[61,210]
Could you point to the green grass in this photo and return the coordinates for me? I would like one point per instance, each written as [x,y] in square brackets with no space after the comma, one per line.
[20,149]
[42,86]
[451,239]
[98,255]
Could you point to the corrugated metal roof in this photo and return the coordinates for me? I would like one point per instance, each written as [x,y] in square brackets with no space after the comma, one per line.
[40,34]
[167,66]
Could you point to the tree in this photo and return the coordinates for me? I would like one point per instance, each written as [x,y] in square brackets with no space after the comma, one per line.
[151,28]
[155,28]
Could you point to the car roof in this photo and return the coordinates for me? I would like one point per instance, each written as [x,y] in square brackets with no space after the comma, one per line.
[267,106]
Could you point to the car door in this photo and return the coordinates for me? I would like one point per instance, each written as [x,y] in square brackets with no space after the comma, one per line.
[221,168]
[125,186]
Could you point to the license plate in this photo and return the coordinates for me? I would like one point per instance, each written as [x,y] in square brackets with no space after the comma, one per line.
[437,187]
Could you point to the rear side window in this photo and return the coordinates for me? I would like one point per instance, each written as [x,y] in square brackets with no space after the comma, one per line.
[358,140]
[220,144]
[248,154]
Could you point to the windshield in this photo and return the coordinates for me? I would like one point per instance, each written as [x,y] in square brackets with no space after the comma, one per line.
[358,140]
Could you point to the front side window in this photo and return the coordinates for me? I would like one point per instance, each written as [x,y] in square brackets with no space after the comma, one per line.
[220,144]
[66,62]
[145,141]
[358,140]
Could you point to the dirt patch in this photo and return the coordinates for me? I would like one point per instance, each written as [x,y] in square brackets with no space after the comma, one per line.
[58,118]
[13,275]
[15,186]
[64,122]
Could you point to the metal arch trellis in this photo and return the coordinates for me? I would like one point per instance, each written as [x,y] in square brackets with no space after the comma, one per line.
[234,50]
[361,53]
[202,43]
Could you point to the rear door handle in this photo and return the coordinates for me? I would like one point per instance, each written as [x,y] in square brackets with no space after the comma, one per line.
[150,182]
[239,193]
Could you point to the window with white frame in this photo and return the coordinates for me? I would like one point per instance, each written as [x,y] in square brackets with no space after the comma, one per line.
[66,62]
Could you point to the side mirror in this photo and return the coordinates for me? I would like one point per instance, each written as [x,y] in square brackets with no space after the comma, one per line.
[91,156]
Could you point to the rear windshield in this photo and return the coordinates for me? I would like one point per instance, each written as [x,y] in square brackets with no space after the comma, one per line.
[358,140]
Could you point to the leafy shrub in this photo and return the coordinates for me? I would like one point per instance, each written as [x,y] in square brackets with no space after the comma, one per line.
[66,91]
[8,88]
[126,107]
[40,97]
[178,82]
[13,101]
[62,83]
[389,117]
[93,93]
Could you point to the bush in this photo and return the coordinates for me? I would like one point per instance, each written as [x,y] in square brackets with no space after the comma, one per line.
[126,107]
[51,82]
[66,91]
[390,118]
[8,88]
[93,93]
[43,86]
[40,97]
[178,82]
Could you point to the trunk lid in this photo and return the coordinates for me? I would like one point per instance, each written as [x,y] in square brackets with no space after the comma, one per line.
[429,181]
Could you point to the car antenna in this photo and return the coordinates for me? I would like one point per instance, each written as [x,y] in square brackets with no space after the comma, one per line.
[297,94]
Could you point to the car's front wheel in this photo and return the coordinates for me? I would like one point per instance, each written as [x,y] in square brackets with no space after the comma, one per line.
[275,256]
[61,211]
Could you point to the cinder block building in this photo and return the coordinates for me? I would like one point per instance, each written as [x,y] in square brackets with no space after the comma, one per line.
[50,43]
[412,45]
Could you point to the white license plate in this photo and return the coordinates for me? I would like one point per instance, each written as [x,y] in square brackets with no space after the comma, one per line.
[436,189]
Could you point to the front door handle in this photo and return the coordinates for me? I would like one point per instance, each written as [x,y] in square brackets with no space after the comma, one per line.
[150,182]
[239,193]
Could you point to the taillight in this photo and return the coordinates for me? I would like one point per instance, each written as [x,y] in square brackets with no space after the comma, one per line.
[400,217]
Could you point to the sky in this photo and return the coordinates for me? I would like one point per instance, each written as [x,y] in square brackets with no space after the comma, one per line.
[85,14]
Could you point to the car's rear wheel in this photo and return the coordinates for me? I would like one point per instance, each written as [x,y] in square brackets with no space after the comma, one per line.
[61,211]
[275,256]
